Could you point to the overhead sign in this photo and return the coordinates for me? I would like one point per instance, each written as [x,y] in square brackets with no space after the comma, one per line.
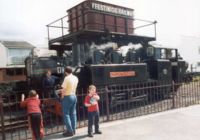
[111,9]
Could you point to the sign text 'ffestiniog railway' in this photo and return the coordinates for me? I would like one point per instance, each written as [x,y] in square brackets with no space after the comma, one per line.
[111,9]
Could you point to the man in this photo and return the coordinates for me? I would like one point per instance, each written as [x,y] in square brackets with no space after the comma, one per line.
[69,100]
[48,84]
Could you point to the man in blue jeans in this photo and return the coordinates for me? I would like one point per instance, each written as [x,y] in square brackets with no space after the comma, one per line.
[69,100]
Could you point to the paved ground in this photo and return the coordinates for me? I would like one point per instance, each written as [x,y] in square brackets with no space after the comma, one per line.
[179,124]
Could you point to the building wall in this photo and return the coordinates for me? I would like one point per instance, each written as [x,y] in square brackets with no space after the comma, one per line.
[1,74]
[4,77]
[3,56]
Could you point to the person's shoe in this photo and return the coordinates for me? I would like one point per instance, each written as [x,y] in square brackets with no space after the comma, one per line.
[90,135]
[68,134]
[64,133]
[98,132]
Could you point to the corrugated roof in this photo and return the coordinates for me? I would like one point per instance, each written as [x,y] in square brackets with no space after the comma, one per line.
[17,44]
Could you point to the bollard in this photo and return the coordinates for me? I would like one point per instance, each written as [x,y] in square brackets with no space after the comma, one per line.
[2,118]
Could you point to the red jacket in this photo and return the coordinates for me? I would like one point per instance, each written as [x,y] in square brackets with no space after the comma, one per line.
[92,108]
[32,104]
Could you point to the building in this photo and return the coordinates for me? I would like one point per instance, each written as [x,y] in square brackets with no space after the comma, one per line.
[13,54]
[190,51]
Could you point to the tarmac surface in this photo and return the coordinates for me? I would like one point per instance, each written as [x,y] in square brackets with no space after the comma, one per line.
[177,124]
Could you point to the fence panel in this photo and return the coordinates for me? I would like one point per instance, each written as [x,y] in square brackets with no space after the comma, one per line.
[116,102]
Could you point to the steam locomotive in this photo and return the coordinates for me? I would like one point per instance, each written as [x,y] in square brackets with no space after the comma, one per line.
[103,48]
[108,66]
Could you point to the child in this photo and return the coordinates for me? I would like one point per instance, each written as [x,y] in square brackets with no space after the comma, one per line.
[91,102]
[34,114]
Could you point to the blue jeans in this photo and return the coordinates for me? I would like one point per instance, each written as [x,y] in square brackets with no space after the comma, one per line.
[69,112]
[93,117]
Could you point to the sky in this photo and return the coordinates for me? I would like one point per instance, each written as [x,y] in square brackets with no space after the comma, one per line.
[27,19]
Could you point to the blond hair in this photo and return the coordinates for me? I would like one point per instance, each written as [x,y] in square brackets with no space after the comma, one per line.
[32,93]
[91,87]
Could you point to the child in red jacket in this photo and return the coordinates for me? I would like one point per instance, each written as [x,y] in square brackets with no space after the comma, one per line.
[91,102]
[32,103]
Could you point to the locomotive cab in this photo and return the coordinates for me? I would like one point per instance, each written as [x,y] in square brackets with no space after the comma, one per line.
[165,64]
[37,66]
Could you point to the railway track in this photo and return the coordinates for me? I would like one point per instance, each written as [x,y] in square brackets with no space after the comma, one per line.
[14,124]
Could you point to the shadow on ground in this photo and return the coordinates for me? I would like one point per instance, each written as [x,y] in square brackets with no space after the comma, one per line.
[59,136]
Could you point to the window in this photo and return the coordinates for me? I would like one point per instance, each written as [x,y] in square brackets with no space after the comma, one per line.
[16,71]
[10,72]
[163,54]
[157,53]
[17,56]
[150,51]
[170,53]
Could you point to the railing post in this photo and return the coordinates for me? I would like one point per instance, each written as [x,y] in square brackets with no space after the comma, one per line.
[48,33]
[2,118]
[62,27]
[155,34]
[173,94]
[107,104]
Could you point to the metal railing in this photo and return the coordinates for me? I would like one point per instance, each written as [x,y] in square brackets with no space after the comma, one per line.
[117,102]
[60,27]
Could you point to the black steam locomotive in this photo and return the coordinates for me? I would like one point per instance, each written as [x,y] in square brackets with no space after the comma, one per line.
[108,66]
[98,35]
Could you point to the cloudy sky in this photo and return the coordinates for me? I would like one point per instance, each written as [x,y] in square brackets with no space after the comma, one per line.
[27,19]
